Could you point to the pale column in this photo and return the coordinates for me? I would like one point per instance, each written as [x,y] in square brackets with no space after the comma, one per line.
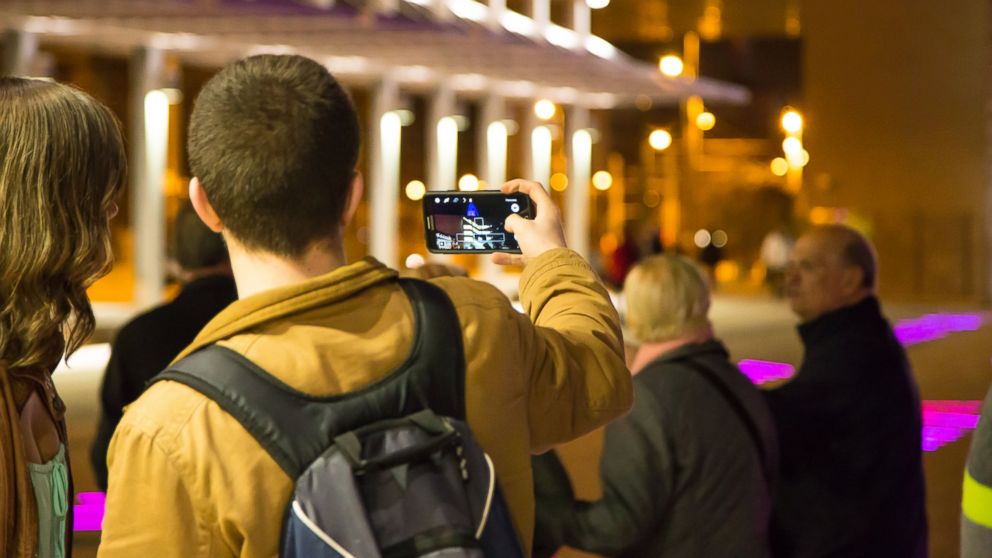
[581,19]
[530,122]
[496,10]
[580,171]
[440,152]
[491,141]
[149,144]
[492,163]
[384,178]
[540,12]
[20,48]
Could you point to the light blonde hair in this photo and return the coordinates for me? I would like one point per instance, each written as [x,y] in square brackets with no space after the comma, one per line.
[667,297]
[62,166]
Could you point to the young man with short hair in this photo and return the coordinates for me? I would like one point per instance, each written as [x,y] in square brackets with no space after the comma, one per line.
[273,142]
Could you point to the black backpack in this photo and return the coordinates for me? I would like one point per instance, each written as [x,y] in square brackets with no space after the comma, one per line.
[390,470]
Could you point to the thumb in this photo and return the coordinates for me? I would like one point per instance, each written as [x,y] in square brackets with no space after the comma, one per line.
[511,222]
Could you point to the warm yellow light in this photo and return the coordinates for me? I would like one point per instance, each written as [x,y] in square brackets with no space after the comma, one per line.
[597,4]
[468,183]
[792,121]
[602,180]
[559,181]
[660,140]
[792,146]
[415,190]
[705,121]
[780,167]
[803,158]
[608,243]
[414,261]
[544,109]
[671,65]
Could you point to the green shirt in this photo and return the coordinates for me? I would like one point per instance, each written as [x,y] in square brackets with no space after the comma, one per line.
[51,492]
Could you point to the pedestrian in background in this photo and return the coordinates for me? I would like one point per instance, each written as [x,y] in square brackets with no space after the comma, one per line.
[849,422]
[689,471]
[148,343]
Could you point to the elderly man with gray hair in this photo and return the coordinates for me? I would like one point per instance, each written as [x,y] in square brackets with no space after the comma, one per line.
[688,472]
[851,480]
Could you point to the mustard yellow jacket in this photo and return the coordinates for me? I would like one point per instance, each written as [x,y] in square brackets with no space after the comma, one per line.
[187,481]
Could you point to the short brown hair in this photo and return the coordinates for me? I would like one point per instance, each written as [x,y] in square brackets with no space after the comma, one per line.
[274,140]
[62,166]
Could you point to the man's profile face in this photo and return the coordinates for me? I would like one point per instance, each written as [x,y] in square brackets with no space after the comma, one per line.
[815,277]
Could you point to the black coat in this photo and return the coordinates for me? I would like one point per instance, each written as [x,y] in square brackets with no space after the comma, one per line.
[146,345]
[681,474]
[851,480]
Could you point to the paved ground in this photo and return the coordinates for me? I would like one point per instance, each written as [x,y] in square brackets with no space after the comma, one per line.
[956,367]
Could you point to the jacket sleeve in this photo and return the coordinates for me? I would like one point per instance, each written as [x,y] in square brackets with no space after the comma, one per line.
[578,379]
[637,475]
[149,510]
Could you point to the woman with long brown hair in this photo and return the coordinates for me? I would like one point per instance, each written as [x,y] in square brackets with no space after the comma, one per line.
[62,165]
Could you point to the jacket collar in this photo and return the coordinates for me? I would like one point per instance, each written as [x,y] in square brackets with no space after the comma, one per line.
[865,311]
[274,304]
[692,351]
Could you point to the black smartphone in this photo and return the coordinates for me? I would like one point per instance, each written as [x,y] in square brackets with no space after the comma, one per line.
[472,222]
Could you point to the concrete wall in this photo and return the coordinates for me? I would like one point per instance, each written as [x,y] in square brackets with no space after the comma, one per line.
[897,126]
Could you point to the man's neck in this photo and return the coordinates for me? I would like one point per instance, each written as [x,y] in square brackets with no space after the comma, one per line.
[649,352]
[257,271]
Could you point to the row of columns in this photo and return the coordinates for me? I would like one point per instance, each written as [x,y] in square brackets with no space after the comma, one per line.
[147,159]
[490,156]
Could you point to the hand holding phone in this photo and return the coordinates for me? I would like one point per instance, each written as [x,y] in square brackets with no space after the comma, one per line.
[473,222]
[534,236]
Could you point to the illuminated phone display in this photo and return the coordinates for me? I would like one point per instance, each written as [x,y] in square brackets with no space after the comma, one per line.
[472,222]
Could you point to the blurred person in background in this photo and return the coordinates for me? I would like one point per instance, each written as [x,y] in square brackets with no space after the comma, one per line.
[148,343]
[775,249]
[976,498]
[849,422]
[689,471]
[62,167]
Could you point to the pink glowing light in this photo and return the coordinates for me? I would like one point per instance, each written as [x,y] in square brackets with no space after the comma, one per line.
[935,326]
[761,371]
[88,513]
[945,422]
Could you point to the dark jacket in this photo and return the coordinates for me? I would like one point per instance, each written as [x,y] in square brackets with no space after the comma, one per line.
[849,427]
[681,474]
[146,345]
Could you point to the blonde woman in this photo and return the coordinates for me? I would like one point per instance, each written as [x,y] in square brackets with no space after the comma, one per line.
[62,165]
[687,472]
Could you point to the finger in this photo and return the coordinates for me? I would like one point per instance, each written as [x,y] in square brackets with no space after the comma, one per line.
[511,222]
[542,200]
[502,258]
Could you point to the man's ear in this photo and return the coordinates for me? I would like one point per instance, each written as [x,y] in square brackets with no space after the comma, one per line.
[854,278]
[198,197]
[355,191]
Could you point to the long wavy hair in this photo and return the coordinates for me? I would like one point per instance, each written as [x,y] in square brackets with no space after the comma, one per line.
[62,167]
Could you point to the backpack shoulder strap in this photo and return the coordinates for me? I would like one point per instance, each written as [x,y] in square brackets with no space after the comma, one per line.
[738,407]
[294,427]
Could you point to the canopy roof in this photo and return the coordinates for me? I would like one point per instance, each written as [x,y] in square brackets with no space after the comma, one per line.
[410,43]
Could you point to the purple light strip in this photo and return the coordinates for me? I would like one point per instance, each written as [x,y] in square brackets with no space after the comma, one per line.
[935,326]
[761,371]
[88,513]
[948,421]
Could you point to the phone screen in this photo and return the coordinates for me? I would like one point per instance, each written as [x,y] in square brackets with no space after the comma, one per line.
[472,222]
